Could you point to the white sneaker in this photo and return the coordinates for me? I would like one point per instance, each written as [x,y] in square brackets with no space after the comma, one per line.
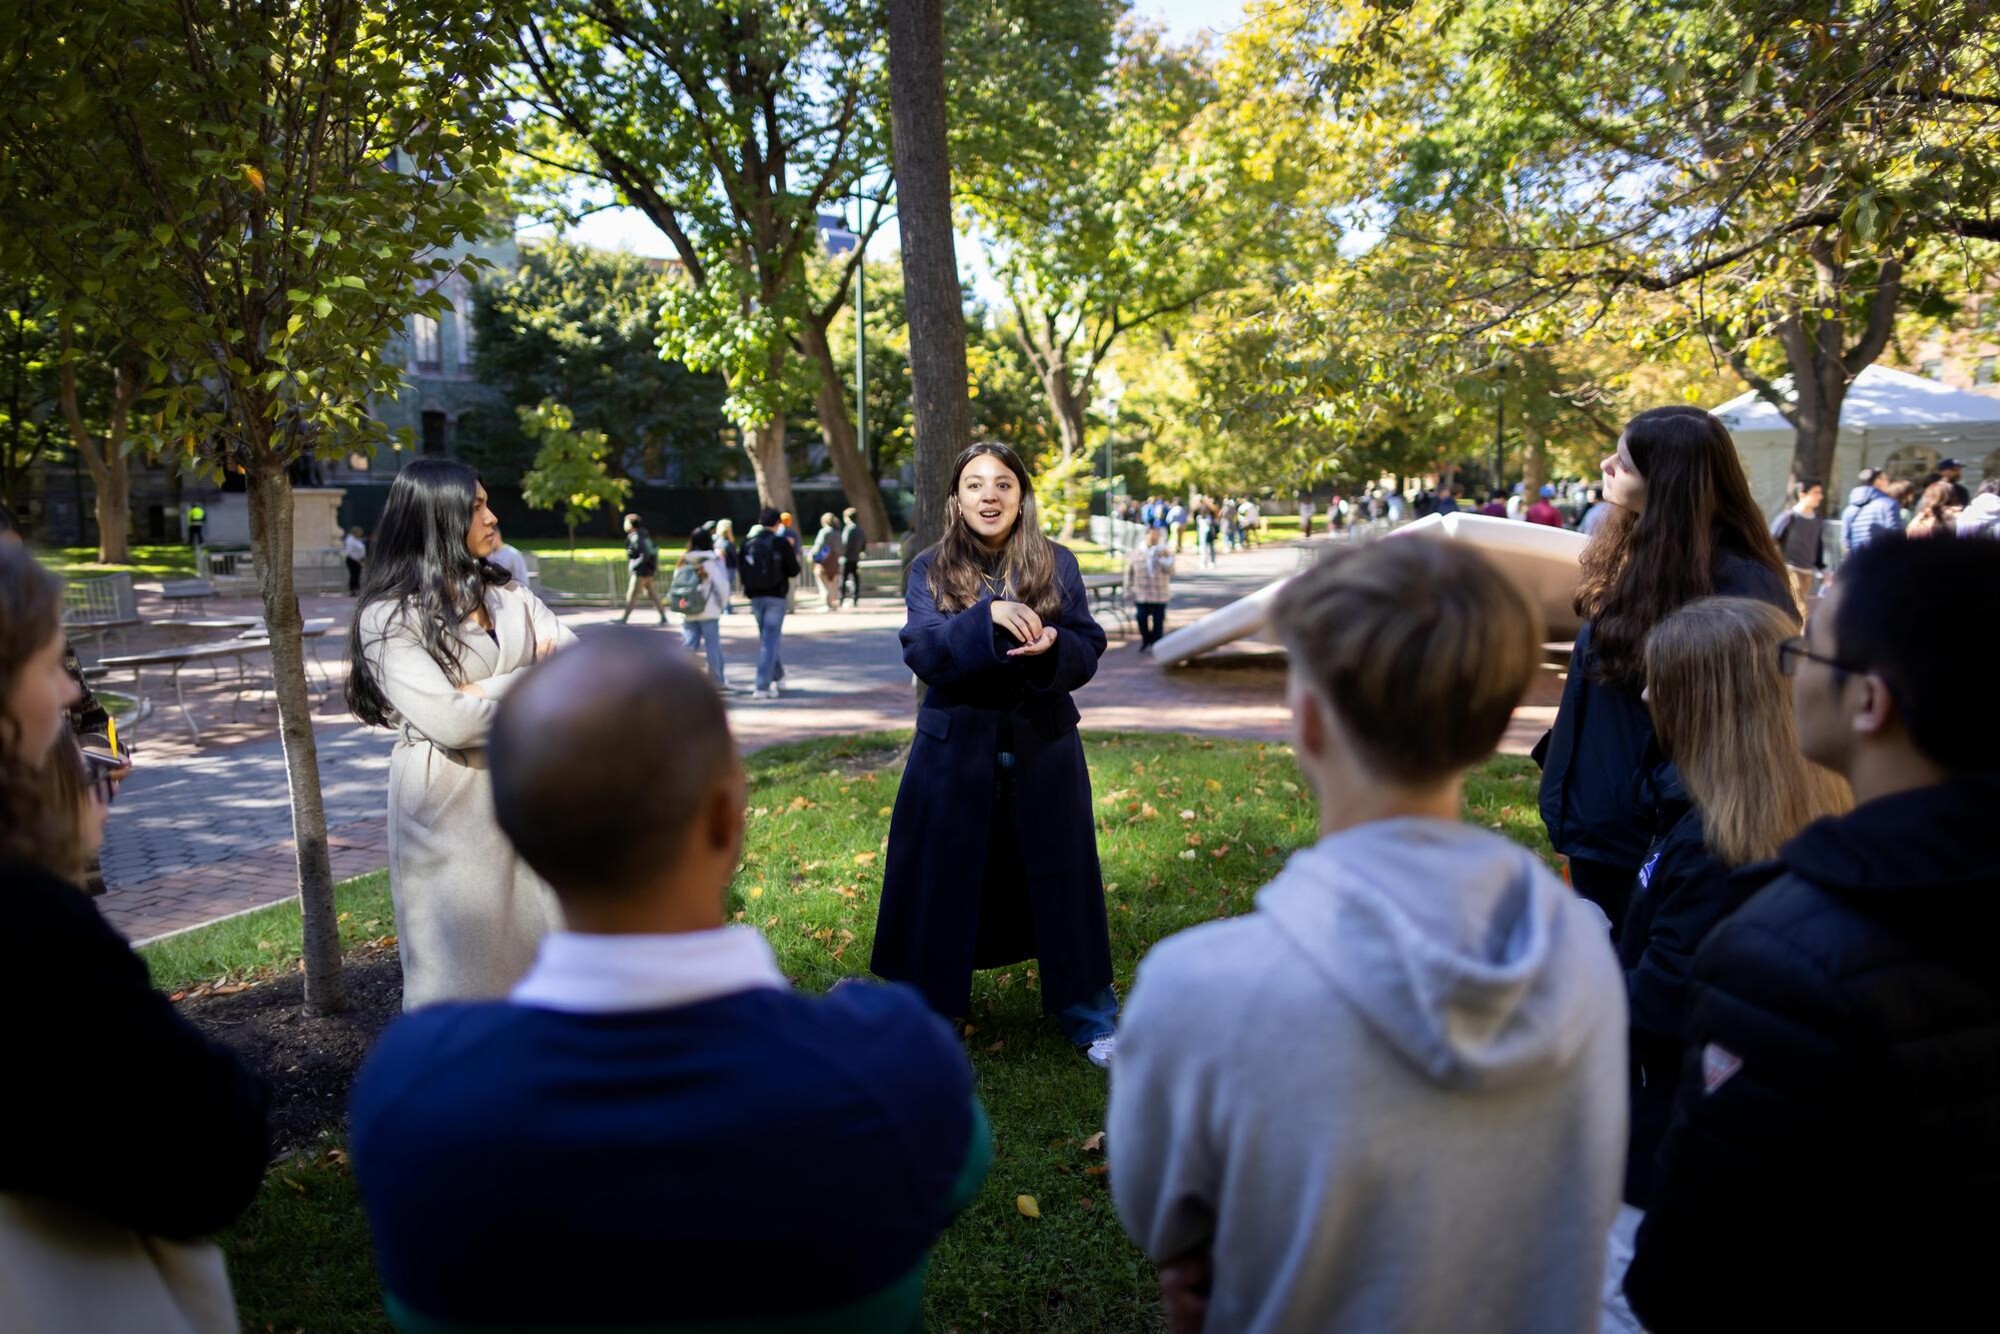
[1099,1052]
[777,689]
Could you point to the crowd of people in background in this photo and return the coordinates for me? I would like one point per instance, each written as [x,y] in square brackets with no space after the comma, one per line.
[1734,1068]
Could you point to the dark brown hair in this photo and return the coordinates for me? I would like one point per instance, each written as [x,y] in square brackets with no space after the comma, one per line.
[1641,567]
[1421,647]
[1027,561]
[38,794]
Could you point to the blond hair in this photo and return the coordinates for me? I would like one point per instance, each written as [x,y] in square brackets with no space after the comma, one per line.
[1722,710]
[1421,647]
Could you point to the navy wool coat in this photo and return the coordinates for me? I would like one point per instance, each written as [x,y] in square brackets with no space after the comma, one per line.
[972,882]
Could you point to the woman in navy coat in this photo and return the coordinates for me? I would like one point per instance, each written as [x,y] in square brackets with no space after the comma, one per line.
[993,848]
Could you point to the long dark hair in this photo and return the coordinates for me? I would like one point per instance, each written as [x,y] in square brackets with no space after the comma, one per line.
[1027,560]
[1640,568]
[419,564]
[38,793]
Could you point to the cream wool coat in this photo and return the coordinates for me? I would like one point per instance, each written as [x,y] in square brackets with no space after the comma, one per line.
[469,912]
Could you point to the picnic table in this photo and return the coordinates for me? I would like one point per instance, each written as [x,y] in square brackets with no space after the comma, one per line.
[239,650]
[1107,593]
[179,593]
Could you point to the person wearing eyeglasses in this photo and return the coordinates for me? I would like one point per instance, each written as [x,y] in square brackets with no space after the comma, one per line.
[127,1136]
[1834,1156]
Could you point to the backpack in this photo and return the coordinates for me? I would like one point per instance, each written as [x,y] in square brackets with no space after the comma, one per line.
[758,562]
[688,593]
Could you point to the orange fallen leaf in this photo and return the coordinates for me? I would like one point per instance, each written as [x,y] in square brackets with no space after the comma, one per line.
[1026,1204]
[864,859]
[1097,1170]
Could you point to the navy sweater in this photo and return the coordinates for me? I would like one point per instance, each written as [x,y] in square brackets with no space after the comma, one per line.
[757,1158]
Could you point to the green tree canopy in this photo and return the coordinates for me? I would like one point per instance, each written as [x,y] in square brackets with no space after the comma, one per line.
[579,326]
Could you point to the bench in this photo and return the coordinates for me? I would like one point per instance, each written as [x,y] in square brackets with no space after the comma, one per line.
[239,650]
[881,568]
[1107,594]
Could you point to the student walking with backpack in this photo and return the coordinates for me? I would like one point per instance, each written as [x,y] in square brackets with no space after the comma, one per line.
[768,564]
[725,547]
[826,556]
[853,545]
[700,583]
[642,566]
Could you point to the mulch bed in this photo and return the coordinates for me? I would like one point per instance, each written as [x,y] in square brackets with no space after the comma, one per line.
[310,1063]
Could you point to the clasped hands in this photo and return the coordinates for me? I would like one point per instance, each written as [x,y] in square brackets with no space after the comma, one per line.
[1021,621]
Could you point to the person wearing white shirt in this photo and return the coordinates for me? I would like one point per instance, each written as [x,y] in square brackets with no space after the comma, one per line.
[513,562]
[355,550]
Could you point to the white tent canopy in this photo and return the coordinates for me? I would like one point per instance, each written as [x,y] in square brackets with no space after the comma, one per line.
[1890,419]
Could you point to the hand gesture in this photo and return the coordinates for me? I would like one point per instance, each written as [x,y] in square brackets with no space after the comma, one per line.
[1041,643]
[1018,620]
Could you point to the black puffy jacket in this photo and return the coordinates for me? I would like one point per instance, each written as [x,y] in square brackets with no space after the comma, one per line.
[1834,1157]
[1682,892]
[1596,761]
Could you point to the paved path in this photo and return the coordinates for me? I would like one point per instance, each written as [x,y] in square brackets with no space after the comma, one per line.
[199,834]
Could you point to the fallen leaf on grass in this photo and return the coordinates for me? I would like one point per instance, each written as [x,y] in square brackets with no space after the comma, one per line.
[886,812]
[864,859]
[755,891]
[1187,815]
[1097,1169]
[1026,1204]
[996,1046]
[1213,785]
[801,804]
[1095,1144]
[1188,856]
[1222,851]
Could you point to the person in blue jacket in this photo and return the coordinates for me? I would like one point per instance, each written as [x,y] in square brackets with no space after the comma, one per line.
[992,854]
[1682,526]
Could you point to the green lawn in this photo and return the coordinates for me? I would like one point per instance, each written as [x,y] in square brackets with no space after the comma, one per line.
[1188,830]
[148,562]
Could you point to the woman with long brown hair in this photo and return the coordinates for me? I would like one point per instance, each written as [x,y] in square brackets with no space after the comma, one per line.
[1733,789]
[1681,526]
[993,848]
[92,1237]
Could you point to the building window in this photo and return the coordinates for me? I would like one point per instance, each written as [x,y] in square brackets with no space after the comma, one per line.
[1983,372]
[434,433]
[424,343]
[466,344]
[1933,369]
[1989,314]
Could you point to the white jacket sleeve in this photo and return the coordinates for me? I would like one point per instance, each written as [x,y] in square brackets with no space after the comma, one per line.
[1165,1175]
[417,688]
[546,628]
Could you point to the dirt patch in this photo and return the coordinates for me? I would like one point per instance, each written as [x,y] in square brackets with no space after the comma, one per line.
[853,764]
[310,1063]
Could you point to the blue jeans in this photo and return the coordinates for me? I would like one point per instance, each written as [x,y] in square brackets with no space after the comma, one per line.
[770,615]
[696,633]
[1088,1020]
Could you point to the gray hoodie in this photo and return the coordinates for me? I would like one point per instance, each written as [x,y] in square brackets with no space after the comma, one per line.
[1391,1099]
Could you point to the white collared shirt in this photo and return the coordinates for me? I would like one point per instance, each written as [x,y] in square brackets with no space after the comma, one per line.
[599,974]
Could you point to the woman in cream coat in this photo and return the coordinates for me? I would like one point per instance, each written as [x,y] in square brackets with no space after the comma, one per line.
[439,634]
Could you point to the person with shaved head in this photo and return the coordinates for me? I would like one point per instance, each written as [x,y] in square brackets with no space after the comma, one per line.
[654,1114]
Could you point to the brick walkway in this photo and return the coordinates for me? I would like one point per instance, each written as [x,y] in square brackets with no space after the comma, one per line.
[201,833]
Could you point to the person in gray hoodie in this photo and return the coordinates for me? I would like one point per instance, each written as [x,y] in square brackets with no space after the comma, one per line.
[1393,1097]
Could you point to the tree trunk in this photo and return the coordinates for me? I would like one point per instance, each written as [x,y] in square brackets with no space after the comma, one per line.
[940,407]
[837,429]
[1067,407]
[1534,459]
[766,447]
[110,477]
[270,499]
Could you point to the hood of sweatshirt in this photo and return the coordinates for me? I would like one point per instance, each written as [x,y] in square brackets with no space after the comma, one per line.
[1458,947]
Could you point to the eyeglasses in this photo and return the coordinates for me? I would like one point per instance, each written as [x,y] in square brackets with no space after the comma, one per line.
[1794,650]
